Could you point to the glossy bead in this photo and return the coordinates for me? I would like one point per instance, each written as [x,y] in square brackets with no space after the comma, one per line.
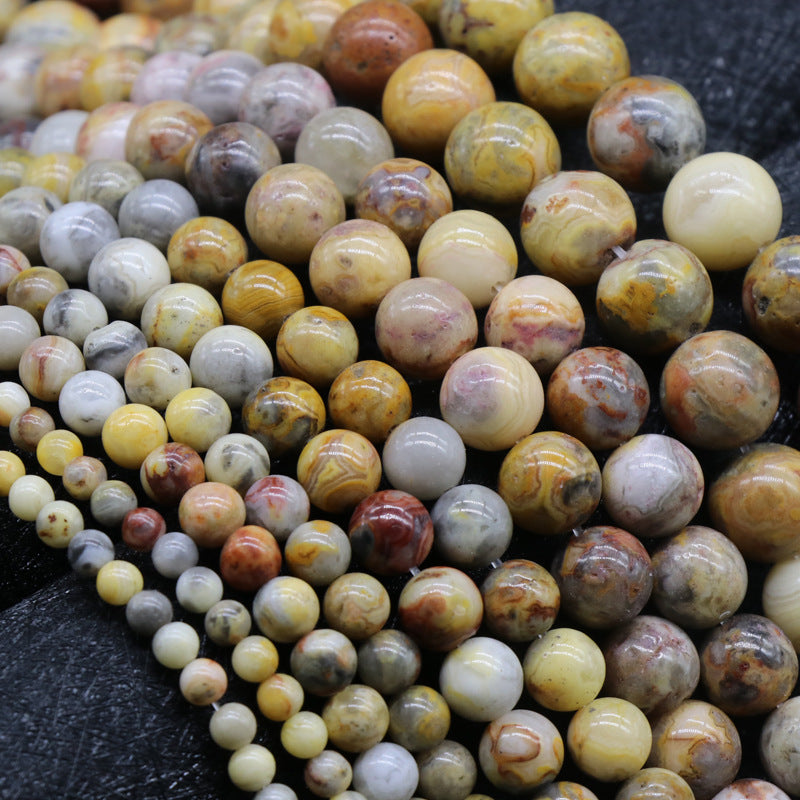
[599,395]
[198,589]
[19,329]
[440,607]
[12,262]
[32,289]
[227,622]
[53,24]
[275,791]
[185,29]
[53,172]
[129,28]
[238,460]
[315,344]
[141,528]
[776,745]
[367,43]
[389,661]
[109,76]
[281,99]
[56,449]
[27,495]
[279,697]
[259,295]
[110,348]
[564,669]
[643,129]
[169,470]
[88,550]
[13,162]
[520,750]
[423,325]
[132,431]
[419,718]
[147,611]
[118,581]
[481,679]
[111,501]
[254,659]
[551,483]
[317,551]
[103,133]
[232,725]
[20,64]
[105,182]
[155,209]
[338,469]
[249,558]
[58,522]
[155,375]
[722,197]
[427,95]
[779,597]
[57,88]
[355,264]
[537,317]
[286,609]
[447,771]
[74,314]
[386,772]
[357,605]
[210,512]
[751,788]
[652,663]
[357,718]
[225,162]
[251,767]
[198,417]
[125,273]
[605,576]
[699,742]
[324,661]
[175,645]
[370,398]
[173,554]
[277,503]
[289,208]
[652,485]
[11,468]
[160,136]
[748,665]
[557,790]
[609,739]
[327,774]
[656,783]
[13,400]
[203,682]
[566,61]
[572,221]
[304,735]
[27,427]
[763,479]
[87,399]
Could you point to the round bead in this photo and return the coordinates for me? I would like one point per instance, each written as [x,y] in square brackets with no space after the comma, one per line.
[34,288]
[427,95]
[163,76]
[11,468]
[520,750]
[155,375]
[173,554]
[13,400]
[24,211]
[175,645]
[572,221]
[132,431]
[227,622]
[318,551]
[251,767]
[198,417]
[203,681]
[564,670]
[763,480]
[56,449]
[111,501]
[609,739]
[118,581]
[103,133]
[28,495]
[232,725]
[169,470]
[557,790]
[88,550]
[751,787]
[566,61]
[776,745]
[147,611]
[780,597]
[87,399]
[105,181]
[58,522]
[389,661]
[724,207]
[198,589]
[304,735]
[238,460]
[279,697]
[27,428]
[328,774]
[110,348]
[249,558]
[386,772]
[19,329]
[46,364]
[278,503]
[254,659]
[286,609]
[357,605]
[357,718]
[324,661]
[419,718]
[447,771]
[481,679]
[655,782]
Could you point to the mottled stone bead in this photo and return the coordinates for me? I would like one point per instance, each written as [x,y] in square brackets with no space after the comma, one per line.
[286,609]
[249,558]
[175,645]
[74,314]
[110,348]
[102,136]
[655,782]
[46,364]
[328,773]
[27,427]
[87,400]
[163,76]
[776,745]
[147,611]
[105,181]
[357,718]
[318,551]
[198,588]
[419,718]
[238,460]
[203,681]
[118,581]
[357,605]
[57,522]
[142,527]
[389,661]
[254,659]
[19,328]
[324,661]
[227,622]
[27,495]
[278,503]
[88,550]
[279,697]
[155,375]
[304,735]
[386,771]
[169,470]
[33,288]
[780,595]
[111,501]
[210,512]
[447,771]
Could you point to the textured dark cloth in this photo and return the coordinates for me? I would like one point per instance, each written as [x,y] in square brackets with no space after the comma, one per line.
[85,710]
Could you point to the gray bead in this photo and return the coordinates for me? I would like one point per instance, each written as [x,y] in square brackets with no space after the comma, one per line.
[110,348]
[174,553]
[111,501]
[89,550]
[147,611]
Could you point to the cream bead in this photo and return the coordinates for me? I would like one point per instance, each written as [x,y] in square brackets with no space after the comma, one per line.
[175,645]
[203,681]
[11,468]
[255,659]
[28,495]
[233,725]
[118,581]
[198,588]
[781,598]
[13,399]
[58,522]
[251,767]
[304,735]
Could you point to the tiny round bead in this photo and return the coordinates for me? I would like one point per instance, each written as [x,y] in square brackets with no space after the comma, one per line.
[254,659]
[89,550]
[203,681]
[324,661]
[118,581]
[251,767]
[175,645]
[174,553]
[357,718]
[238,460]
[304,735]
[58,522]
[386,772]
[357,605]
[227,623]
[147,611]
[318,551]
[169,471]
[279,697]
[83,475]
[389,661]
[111,501]
[56,449]
[28,495]
[11,468]
[198,588]
[232,725]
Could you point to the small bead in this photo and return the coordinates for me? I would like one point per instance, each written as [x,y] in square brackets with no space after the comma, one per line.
[198,589]
[232,725]
[13,400]
[203,681]
[279,697]
[318,551]
[327,774]
[89,550]
[27,495]
[27,428]
[227,623]
[251,767]
[174,553]
[56,449]
[249,558]
[58,522]
[175,645]
[11,468]
[304,735]
[82,476]
[276,791]
[111,501]
[148,611]
[118,581]
[254,659]
[142,527]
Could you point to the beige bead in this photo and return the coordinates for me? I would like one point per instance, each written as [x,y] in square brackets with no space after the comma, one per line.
[304,735]
[255,659]
[203,681]
[118,581]
[251,767]
[58,522]
[175,645]
[232,726]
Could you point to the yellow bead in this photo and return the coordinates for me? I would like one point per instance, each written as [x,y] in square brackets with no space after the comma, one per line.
[251,768]
[255,659]
[11,468]
[56,449]
[198,417]
[280,697]
[118,581]
[131,432]
[13,400]
[54,172]
[304,735]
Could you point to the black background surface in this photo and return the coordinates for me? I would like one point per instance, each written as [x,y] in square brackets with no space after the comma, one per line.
[86,712]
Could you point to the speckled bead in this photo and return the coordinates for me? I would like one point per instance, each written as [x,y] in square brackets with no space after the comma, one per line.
[655,782]
[324,661]
[238,460]
[254,659]
[88,550]
[110,348]
[132,431]
[317,551]
[210,512]
[111,501]
[118,581]
[147,611]
[419,718]
[74,314]
[155,375]
[357,605]
[278,503]
[105,181]
[33,288]
[776,745]
[169,470]
[357,718]
[327,774]
[286,609]
[389,661]
[249,558]
[227,622]
[203,682]
[57,523]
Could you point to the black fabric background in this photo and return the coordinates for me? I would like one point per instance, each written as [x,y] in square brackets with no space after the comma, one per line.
[86,712]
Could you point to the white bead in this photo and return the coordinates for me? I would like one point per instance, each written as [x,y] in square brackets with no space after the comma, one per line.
[175,645]
[386,772]
[251,767]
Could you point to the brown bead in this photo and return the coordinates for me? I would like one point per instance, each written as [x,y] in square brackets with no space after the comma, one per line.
[170,471]
[249,558]
[141,527]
